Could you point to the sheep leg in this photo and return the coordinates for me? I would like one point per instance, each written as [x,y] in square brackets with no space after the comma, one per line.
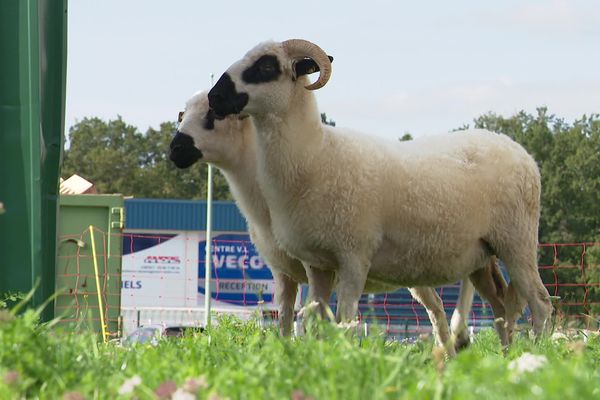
[527,283]
[458,323]
[286,290]
[320,286]
[432,302]
[491,285]
[352,276]
[514,309]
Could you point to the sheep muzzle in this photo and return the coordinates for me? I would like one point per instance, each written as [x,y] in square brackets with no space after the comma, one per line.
[183,153]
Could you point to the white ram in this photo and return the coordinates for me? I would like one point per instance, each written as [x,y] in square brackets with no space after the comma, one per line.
[230,144]
[420,213]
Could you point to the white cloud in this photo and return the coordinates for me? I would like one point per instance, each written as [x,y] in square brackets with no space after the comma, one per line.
[558,13]
[554,18]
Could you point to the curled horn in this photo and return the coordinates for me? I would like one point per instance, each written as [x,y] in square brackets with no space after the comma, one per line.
[299,48]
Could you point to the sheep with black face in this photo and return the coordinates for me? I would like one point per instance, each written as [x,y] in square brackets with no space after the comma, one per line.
[230,144]
[420,213]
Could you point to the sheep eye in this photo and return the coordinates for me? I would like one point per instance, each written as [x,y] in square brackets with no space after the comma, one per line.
[265,69]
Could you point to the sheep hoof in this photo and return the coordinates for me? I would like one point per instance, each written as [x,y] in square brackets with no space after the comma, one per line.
[308,310]
[461,342]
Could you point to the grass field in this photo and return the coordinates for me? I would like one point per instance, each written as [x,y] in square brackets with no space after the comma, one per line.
[240,360]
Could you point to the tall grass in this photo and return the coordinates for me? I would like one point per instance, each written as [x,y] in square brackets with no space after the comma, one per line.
[240,360]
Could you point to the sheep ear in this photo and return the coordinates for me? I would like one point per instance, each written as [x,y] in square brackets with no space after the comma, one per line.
[306,66]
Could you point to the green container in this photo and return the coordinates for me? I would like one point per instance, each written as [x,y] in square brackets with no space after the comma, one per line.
[78,277]
[33,45]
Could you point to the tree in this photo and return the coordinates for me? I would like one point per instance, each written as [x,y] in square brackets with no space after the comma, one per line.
[406,137]
[325,121]
[119,159]
[107,153]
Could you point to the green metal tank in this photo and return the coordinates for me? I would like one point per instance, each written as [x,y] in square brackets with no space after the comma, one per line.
[33,45]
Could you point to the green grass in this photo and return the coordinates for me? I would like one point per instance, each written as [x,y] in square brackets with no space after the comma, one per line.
[242,361]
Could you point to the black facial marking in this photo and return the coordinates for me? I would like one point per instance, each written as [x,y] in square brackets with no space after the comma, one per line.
[209,120]
[183,153]
[307,66]
[224,99]
[265,69]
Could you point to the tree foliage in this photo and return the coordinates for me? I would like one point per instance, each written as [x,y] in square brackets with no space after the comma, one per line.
[326,121]
[117,158]
[406,137]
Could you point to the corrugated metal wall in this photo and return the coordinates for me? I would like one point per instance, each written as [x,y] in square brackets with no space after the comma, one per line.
[182,215]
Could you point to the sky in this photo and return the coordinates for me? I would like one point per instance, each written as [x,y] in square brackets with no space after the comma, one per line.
[421,67]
